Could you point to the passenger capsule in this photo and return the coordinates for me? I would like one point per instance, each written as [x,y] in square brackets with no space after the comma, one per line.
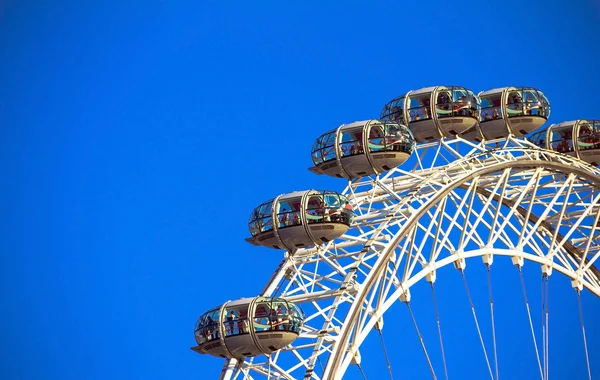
[362,148]
[248,327]
[435,112]
[300,219]
[512,110]
[579,138]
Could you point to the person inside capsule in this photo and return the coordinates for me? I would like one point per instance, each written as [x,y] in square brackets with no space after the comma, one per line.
[326,207]
[490,106]
[589,137]
[561,139]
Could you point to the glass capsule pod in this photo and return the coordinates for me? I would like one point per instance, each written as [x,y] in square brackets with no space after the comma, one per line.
[300,219]
[435,112]
[362,148]
[512,110]
[579,138]
[248,327]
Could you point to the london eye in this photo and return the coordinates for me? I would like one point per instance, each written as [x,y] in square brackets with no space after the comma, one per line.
[443,178]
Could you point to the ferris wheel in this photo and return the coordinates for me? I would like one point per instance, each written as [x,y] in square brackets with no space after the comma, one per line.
[442,179]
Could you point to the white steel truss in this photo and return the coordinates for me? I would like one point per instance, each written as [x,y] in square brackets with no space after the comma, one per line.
[498,198]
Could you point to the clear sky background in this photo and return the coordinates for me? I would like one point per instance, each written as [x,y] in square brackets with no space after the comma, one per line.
[136,138]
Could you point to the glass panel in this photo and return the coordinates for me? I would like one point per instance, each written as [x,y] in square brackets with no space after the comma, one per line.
[397,110]
[457,101]
[530,101]
[296,316]
[544,106]
[324,148]
[332,205]
[315,209]
[474,105]
[444,104]
[539,139]
[352,142]
[561,139]
[207,327]
[199,331]
[398,138]
[419,107]
[514,104]
[317,153]
[260,219]
[289,212]
[490,107]
[261,317]
[385,112]
[393,110]
[376,138]
[279,316]
[236,320]
[589,135]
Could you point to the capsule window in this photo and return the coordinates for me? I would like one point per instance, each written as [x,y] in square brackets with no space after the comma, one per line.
[397,110]
[261,218]
[377,138]
[465,103]
[419,107]
[474,105]
[207,327]
[315,208]
[279,319]
[324,148]
[387,110]
[288,213]
[332,201]
[261,318]
[539,139]
[561,139]
[460,96]
[265,217]
[444,104]
[397,138]
[352,142]
[543,109]
[333,208]
[589,135]
[296,316]
[317,152]
[491,107]
[235,320]
[514,106]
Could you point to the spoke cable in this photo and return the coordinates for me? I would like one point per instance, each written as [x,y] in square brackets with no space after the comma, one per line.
[545,323]
[361,371]
[422,341]
[537,353]
[543,326]
[493,322]
[547,328]
[321,364]
[439,327]
[587,359]
[487,360]
[389,365]
[269,375]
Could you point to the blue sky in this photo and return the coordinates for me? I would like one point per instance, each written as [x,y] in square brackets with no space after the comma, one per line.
[137,137]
